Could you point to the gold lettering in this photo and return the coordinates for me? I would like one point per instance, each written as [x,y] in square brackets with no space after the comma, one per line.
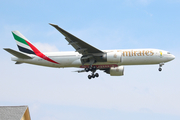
[147,53]
[123,53]
[129,53]
[135,53]
[126,53]
[152,53]
[132,52]
[139,53]
[143,52]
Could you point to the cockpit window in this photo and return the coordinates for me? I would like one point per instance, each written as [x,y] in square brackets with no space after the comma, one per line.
[168,53]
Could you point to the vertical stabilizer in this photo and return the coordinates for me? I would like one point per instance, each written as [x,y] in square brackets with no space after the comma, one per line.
[22,43]
[27,47]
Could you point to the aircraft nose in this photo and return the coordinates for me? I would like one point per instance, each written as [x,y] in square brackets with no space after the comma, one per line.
[172,57]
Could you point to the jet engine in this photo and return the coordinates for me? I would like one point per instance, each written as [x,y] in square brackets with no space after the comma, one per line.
[115,71]
[113,57]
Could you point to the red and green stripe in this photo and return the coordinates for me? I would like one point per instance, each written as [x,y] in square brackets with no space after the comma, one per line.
[27,47]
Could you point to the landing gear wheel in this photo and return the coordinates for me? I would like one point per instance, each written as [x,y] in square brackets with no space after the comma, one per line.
[94,67]
[90,68]
[89,76]
[93,76]
[160,65]
[97,75]
[87,69]
[160,69]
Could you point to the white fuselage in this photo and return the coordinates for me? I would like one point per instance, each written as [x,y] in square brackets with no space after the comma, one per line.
[129,57]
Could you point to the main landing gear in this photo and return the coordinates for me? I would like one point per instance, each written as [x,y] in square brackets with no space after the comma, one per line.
[93,70]
[160,66]
[93,75]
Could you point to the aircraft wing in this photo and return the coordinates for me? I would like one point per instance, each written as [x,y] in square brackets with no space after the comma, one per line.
[79,45]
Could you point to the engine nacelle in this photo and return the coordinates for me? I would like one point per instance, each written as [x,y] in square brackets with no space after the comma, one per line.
[116,71]
[114,57]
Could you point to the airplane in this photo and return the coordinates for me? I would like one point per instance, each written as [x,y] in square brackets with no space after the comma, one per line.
[86,56]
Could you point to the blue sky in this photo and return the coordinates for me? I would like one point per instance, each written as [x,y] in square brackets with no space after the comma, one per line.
[142,93]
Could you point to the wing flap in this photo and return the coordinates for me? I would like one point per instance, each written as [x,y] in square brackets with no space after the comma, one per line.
[17,54]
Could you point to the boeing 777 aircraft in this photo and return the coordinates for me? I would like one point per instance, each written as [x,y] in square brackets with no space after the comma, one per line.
[86,56]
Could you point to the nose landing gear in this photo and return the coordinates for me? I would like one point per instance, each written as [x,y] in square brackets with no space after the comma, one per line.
[160,69]
[160,66]
[93,70]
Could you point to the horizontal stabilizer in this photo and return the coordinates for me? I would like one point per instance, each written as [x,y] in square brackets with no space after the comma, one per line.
[18,63]
[17,54]
[79,71]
